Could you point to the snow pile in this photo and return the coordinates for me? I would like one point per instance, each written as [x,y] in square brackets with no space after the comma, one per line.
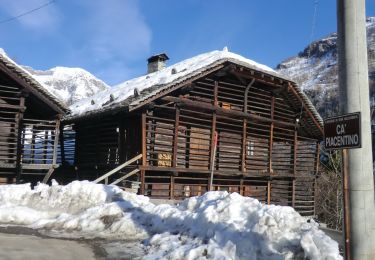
[217,225]
[156,81]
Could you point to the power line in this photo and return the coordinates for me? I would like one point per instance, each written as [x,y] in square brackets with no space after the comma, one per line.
[26,13]
[316,2]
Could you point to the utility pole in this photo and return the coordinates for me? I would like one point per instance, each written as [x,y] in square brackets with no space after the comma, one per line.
[354,97]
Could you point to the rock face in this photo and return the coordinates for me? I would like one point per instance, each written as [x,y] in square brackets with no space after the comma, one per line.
[68,84]
[315,69]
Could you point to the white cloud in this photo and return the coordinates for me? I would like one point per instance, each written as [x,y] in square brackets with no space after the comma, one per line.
[44,19]
[117,30]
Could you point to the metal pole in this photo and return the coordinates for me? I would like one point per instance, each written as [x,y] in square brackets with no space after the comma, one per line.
[354,97]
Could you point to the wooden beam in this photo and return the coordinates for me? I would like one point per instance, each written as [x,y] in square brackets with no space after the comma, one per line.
[259,76]
[244,140]
[291,88]
[144,152]
[212,148]
[36,92]
[48,175]
[271,135]
[125,176]
[62,145]
[227,112]
[175,137]
[56,141]
[118,168]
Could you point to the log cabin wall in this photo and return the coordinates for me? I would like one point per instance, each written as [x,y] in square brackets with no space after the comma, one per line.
[261,151]
[28,134]
[100,144]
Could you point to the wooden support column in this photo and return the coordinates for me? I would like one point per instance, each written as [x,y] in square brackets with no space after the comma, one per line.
[175,148]
[213,131]
[241,187]
[32,146]
[19,141]
[56,141]
[62,144]
[45,146]
[54,154]
[243,158]
[175,138]
[271,135]
[212,150]
[144,153]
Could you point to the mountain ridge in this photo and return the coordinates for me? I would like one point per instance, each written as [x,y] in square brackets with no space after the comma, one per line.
[315,69]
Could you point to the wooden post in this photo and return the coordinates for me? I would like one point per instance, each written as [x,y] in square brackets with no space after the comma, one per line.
[32,146]
[62,145]
[213,139]
[144,153]
[241,187]
[56,141]
[244,140]
[45,146]
[19,141]
[271,135]
[212,150]
[175,138]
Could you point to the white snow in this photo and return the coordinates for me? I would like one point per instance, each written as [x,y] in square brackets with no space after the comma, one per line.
[217,225]
[6,57]
[181,70]
[69,84]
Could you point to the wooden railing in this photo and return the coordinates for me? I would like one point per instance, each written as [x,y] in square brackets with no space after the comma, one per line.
[117,169]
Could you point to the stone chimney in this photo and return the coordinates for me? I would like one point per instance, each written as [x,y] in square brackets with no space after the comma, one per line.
[156,62]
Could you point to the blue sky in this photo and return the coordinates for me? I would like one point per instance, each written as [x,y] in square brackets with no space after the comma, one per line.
[113,38]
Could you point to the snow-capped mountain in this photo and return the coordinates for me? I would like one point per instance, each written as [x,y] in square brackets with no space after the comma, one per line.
[315,69]
[68,84]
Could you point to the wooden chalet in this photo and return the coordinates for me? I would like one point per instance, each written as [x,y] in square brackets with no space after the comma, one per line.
[217,121]
[29,125]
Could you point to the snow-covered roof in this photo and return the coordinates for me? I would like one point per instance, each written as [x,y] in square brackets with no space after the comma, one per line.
[35,87]
[147,86]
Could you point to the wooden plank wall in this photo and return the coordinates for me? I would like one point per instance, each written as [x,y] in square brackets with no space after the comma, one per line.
[266,159]
[10,108]
[27,144]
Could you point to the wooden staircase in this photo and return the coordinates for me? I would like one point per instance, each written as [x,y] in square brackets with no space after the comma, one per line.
[120,176]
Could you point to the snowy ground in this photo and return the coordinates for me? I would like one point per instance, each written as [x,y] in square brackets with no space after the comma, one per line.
[217,225]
